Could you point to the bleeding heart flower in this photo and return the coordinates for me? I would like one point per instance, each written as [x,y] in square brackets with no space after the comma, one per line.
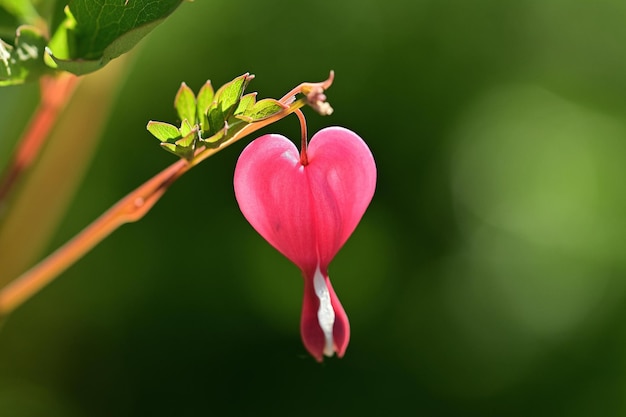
[306,206]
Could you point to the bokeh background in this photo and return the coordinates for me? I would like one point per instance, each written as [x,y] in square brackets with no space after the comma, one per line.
[487,278]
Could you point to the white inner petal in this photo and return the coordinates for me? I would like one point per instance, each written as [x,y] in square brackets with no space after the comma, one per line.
[325,314]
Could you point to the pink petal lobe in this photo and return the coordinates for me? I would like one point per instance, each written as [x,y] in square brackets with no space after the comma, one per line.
[273,194]
[342,177]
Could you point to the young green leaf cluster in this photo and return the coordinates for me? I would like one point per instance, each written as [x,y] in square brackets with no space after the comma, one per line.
[211,117]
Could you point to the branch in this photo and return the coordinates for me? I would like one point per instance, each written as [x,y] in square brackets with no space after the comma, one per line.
[136,204]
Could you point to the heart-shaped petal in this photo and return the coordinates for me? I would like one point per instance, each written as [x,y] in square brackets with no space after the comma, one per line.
[306,212]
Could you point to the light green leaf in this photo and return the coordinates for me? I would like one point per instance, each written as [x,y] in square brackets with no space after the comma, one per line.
[216,120]
[189,140]
[164,132]
[185,104]
[185,128]
[170,147]
[184,147]
[204,100]
[214,139]
[246,101]
[229,94]
[262,110]
[180,152]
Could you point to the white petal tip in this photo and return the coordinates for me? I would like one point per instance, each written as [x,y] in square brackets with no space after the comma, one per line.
[325,313]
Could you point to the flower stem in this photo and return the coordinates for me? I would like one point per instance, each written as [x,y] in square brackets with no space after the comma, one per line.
[304,160]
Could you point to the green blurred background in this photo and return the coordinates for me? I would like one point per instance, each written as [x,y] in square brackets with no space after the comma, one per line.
[486,279]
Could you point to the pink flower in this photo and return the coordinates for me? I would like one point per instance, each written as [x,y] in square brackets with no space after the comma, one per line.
[307,206]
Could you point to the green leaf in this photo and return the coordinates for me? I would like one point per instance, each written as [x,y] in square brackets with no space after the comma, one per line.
[185,128]
[98,31]
[185,104]
[216,120]
[225,100]
[229,94]
[205,98]
[181,142]
[204,123]
[23,61]
[262,110]
[180,151]
[246,101]
[214,139]
[189,140]
[170,147]
[164,132]
[184,147]
[61,41]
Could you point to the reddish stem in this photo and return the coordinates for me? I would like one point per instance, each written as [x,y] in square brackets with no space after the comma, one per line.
[304,160]
[55,93]
[131,208]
